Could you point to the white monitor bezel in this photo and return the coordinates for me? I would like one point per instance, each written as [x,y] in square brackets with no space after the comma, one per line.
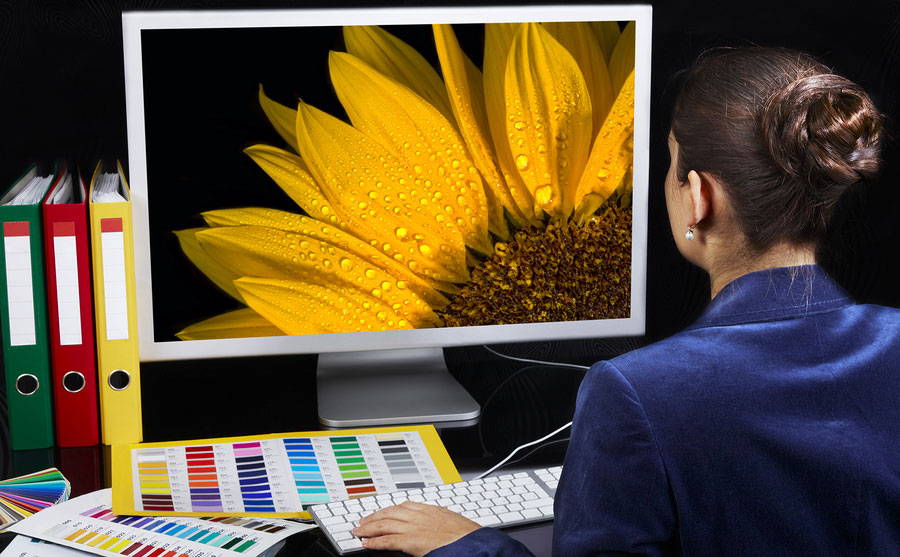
[152,350]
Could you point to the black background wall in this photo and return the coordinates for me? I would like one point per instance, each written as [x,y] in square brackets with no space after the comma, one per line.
[62,96]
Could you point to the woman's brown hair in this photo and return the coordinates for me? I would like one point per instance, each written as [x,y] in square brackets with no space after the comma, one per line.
[785,135]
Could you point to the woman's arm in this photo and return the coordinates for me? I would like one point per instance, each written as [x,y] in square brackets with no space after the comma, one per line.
[613,496]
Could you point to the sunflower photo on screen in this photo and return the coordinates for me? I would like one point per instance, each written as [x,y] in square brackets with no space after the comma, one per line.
[480,192]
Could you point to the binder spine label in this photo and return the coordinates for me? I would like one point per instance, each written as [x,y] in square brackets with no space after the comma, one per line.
[68,302]
[19,288]
[115,292]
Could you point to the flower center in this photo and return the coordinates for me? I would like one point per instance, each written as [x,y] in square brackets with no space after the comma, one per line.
[560,272]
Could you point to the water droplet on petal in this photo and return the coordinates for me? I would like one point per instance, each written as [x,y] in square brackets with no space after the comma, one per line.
[425,250]
[370,273]
[603,173]
[543,195]
[376,293]
[563,163]
[519,125]
[346,264]
[522,162]
[385,286]
[401,285]
[401,233]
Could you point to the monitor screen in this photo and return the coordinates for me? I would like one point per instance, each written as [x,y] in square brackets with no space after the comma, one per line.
[316,181]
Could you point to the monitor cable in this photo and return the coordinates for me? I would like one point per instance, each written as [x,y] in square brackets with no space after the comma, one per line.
[536,441]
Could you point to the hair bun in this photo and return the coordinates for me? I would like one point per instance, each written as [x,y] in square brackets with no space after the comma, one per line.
[823,130]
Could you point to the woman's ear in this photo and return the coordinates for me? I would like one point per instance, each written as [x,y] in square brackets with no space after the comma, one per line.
[701,197]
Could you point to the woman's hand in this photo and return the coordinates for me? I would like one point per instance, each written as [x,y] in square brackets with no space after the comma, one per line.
[414,528]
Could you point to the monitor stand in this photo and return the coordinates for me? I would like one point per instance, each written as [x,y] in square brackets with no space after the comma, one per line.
[391,387]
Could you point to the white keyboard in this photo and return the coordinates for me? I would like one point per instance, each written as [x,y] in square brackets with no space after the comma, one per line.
[500,501]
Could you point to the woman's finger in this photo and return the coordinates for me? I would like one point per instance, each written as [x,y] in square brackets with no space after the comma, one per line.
[382,527]
[403,511]
[393,542]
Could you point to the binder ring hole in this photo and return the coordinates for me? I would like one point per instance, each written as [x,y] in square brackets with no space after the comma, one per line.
[73,381]
[119,380]
[27,384]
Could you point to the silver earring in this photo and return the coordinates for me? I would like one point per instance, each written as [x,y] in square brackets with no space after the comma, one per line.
[689,235]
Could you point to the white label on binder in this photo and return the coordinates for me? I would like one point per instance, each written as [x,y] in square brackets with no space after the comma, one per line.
[68,303]
[19,291]
[115,291]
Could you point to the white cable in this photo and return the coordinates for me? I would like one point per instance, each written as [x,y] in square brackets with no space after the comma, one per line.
[520,447]
[527,361]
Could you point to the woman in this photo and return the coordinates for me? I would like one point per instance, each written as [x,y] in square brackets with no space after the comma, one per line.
[772,424]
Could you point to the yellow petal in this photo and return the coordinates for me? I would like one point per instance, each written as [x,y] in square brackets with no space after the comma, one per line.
[611,157]
[581,42]
[429,290]
[304,308]
[379,199]
[422,139]
[291,174]
[548,118]
[607,35]
[269,252]
[283,119]
[466,90]
[221,275]
[398,61]
[239,323]
[497,42]
[621,62]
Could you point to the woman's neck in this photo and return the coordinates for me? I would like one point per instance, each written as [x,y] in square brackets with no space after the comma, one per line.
[724,270]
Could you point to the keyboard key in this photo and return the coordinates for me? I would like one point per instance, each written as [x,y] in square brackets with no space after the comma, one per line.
[347,545]
[343,527]
[511,517]
[342,536]
[487,520]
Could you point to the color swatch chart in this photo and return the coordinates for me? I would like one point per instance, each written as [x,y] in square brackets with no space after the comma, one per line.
[88,524]
[277,474]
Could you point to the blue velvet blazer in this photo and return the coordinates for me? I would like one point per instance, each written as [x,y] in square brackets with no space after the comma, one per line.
[771,426]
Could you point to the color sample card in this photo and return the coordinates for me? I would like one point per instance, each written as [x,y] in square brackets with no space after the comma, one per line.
[88,524]
[25,495]
[277,475]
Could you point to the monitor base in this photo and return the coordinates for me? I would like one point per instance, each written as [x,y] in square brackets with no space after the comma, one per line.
[391,387]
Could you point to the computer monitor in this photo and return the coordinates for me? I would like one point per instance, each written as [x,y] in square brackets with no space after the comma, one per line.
[373,185]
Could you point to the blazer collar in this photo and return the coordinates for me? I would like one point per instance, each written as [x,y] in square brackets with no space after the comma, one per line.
[774,294]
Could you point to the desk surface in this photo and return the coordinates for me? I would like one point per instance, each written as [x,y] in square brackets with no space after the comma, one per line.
[518,406]
[87,467]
